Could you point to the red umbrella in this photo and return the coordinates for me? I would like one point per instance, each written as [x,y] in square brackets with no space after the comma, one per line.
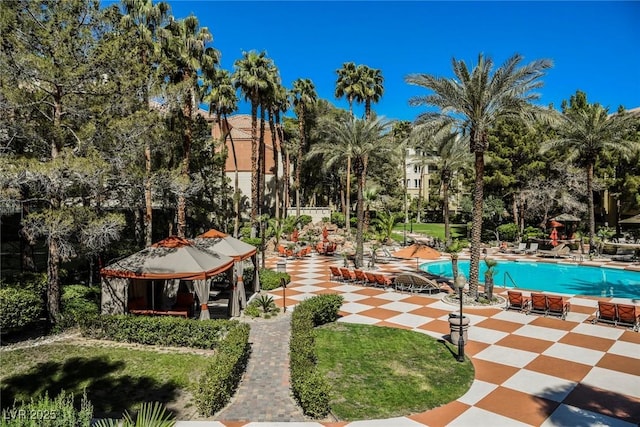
[555,224]
[554,237]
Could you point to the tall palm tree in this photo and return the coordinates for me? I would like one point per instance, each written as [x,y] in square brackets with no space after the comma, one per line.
[401,131]
[451,156]
[473,101]
[279,104]
[359,140]
[303,95]
[586,134]
[347,83]
[189,56]
[222,100]
[251,76]
[371,89]
[146,19]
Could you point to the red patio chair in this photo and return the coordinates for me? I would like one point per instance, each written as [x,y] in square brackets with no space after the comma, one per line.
[558,306]
[371,278]
[606,313]
[347,275]
[517,301]
[628,315]
[538,303]
[360,277]
[335,273]
[383,280]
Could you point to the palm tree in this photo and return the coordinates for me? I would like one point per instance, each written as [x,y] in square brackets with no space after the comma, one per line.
[451,156]
[401,131]
[280,105]
[303,96]
[371,88]
[222,100]
[474,100]
[146,18]
[587,133]
[359,140]
[251,77]
[347,83]
[186,47]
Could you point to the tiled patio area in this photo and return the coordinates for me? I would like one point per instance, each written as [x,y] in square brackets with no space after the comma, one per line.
[530,370]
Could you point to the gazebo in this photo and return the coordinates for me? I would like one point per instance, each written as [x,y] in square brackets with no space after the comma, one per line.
[165,263]
[218,242]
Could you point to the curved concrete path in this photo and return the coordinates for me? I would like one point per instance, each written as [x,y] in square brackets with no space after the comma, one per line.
[264,394]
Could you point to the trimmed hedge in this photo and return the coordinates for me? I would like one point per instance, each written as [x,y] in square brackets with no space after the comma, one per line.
[78,302]
[310,388]
[165,330]
[221,379]
[270,279]
[18,308]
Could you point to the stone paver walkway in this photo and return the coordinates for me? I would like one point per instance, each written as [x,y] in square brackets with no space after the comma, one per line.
[264,393]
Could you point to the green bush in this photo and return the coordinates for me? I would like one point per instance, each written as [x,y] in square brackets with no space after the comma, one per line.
[19,308]
[532,233]
[270,279]
[219,382]
[165,330]
[79,302]
[338,219]
[310,388]
[304,220]
[46,412]
[508,232]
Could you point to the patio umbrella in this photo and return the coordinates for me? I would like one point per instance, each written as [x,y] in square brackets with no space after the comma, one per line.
[418,252]
[565,217]
[555,224]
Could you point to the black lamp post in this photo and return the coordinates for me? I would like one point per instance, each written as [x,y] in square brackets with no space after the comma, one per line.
[460,282]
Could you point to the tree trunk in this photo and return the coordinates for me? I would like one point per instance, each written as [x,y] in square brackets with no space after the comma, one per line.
[276,183]
[287,179]
[182,198]
[404,186]
[361,172]
[299,160]
[254,167]
[236,184]
[347,197]
[148,215]
[262,162]
[476,228]
[53,282]
[445,210]
[592,216]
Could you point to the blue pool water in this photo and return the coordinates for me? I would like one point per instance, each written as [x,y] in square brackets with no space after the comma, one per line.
[560,278]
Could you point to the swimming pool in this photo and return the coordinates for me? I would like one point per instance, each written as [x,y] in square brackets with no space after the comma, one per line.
[560,278]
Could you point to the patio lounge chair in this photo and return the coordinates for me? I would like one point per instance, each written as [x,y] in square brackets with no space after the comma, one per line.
[413,282]
[360,277]
[382,280]
[533,249]
[629,315]
[624,255]
[347,275]
[335,273]
[559,251]
[516,301]
[557,306]
[538,303]
[522,247]
[371,279]
[606,313]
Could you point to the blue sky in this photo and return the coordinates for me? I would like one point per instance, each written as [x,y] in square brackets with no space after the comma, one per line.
[593,45]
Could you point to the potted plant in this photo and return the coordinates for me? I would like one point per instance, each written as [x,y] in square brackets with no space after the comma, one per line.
[488,277]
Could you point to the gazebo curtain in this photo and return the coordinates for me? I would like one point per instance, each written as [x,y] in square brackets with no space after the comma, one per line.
[202,291]
[169,293]
[114,295]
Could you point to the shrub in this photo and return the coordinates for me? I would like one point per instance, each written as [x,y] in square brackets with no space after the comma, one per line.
[532,233]
[304,220]
[310,388]
[78,302]
[270,279]
[219,382]
[167,331]
[19,308]
[44,411]
[508,232]
[338,219]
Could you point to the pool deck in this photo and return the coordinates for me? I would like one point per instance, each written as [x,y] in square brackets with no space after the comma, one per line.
[530,370]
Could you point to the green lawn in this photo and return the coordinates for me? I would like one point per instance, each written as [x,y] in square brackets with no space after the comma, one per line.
[378,372]
[116,379]
[458,231]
